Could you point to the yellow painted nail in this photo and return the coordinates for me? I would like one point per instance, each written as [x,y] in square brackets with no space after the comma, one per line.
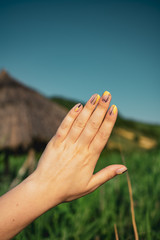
[98,97]
[105,97]
[77,107]
[106,93]
[113,109]
[94,99]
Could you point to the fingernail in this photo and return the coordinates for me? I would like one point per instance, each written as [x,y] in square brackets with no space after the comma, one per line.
[113,110]
[94,99]
[121,170]
[77,107]
[105,96]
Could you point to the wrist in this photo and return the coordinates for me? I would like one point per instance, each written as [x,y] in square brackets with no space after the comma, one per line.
[23,204]
[45,195]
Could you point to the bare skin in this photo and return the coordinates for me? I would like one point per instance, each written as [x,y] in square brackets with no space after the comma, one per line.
[66,168]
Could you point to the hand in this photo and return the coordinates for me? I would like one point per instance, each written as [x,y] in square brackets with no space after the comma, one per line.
[65,170]
[66,167]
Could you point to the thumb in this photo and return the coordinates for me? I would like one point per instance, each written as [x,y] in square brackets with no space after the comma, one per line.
[105,175]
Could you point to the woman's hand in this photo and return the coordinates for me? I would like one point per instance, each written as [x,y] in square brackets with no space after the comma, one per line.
[68,162]
[65,170]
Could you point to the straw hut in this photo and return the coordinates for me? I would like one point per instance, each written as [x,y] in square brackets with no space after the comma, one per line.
[27,119]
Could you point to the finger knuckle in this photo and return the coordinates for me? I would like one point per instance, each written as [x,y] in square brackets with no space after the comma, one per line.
[80,124]
[103,135]
[66,123]
[87,133]
[97,148]
[94,125]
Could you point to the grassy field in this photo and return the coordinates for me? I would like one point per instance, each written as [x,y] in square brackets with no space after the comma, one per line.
[93,217]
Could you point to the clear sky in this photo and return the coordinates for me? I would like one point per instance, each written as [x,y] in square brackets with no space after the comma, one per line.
[76,48]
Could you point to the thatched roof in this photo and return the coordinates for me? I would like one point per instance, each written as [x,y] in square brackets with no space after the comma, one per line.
[26,117]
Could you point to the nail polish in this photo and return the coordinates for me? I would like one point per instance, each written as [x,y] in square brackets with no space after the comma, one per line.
[113,110]
[77,107]
[94,99]
[121,170]
[105,97]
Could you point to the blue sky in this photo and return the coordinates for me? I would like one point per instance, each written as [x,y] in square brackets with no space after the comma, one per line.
[76,48]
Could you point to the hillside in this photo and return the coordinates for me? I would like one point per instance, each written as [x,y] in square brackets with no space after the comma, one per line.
[127,134]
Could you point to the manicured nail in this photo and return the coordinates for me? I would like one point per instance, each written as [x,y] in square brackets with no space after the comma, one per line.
[77,107]
[105,96]
[121,170]
[94,99]
[113,110]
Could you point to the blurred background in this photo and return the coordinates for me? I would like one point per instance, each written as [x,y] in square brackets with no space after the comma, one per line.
[54,54]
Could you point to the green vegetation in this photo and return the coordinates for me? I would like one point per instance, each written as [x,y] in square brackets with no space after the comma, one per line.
[67,103]
[141,128]
[93,216]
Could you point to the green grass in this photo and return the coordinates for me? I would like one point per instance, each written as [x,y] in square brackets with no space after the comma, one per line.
[94,216]
[67,103]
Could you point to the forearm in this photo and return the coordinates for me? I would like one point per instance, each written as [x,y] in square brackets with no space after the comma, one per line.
[20,206]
